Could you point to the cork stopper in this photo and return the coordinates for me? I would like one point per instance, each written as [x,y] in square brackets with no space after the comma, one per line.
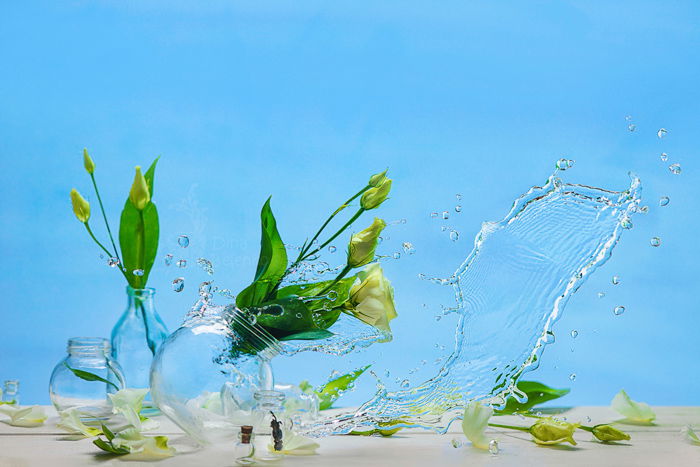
[246,432]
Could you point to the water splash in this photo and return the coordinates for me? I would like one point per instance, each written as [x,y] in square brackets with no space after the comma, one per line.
[509,292]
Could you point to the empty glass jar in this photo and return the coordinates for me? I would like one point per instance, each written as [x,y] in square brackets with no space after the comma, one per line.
[83,379]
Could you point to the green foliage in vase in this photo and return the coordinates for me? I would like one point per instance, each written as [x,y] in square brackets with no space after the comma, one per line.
[305,311]
[138,228]
[537,393]
[87,376]
[333,389]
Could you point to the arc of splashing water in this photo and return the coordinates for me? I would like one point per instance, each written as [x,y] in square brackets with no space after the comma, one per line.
[509,291]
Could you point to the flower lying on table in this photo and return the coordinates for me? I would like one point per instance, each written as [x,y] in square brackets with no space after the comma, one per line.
[71,422]
[27,417]
[295,444]
[638,412]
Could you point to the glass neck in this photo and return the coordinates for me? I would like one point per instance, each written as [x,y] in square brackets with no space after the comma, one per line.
[94,347]
[245,330]
[140,297]
[269,401]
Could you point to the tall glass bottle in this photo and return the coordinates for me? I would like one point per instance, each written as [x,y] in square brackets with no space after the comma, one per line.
[137,336]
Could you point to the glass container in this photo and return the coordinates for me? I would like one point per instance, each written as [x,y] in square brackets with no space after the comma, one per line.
[10,392]
[83,379]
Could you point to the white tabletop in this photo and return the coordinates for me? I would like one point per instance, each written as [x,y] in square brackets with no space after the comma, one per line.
[657,445]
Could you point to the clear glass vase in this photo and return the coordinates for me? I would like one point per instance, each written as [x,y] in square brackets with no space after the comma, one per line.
[83,379]
[137,336]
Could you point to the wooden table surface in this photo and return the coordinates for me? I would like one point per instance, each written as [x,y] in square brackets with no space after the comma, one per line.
[658,445]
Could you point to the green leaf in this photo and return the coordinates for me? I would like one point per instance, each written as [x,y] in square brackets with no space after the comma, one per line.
[341,289]
[107,432]
[376,431]
[150,174]
[537,393]
[105,446]
[285,316]
[87,376]
[152,232]
[272,262]
[329,393]
[131,242]
[308,335]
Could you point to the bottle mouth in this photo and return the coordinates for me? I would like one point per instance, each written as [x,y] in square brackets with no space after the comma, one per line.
[89,346]
[144,293]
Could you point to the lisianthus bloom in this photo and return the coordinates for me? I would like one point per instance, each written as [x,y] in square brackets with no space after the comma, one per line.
[639,412]
[71,422]
[364,243]
[550,431]
[608,433]
[376,195]
[128,402]
[474,422]
[372,299]
[144,447]
[139,194]
[27,417]
[81,208]
[377,179]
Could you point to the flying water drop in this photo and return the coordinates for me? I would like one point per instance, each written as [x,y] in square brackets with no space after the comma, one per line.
[181,263]
[179,284]
[626,223]
[661,133]
[563,164]
[458,208]
[631,127]
[493,447]
[601,294]
[454,235]
[445,214]
[619,310]
[168,260]
[396,255]
[332,249]
[663,157]
[137,272]
[615,280]
[456,443]
[655,241]
[206,265]
[408,248]
[433,215]
[405,383]
[113,262]
[675,168]
[574,333]
[664,200]
[572,376]
[183,241]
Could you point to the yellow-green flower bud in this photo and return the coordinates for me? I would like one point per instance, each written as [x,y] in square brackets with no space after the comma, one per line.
[81,208]
[375,196]
[139,194]
[87,162]
[377,179]
[608,433]
[364,243]
[550,431]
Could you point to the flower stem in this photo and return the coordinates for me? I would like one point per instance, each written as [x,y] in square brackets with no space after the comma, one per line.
[104,216]
[87,226]
[342,229]
[342,274]
[510,427]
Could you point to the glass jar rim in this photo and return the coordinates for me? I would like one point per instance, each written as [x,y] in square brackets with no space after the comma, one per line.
[89,345]
[145,292]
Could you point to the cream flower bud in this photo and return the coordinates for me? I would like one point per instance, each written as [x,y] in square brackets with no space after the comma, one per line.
[375,196]
[608,433]
[81,208]
[364,243]
[372,299]
[87,162]
[139,194]
[377,179]
[550,431]
[474,422]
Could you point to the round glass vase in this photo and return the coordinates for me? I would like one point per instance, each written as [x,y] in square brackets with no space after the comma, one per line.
[137,336]
[83,379]
[206,374]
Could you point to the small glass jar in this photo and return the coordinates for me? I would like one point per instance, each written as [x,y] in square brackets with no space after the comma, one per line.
[269,408]
[10,392]
[83,379]
[244,452]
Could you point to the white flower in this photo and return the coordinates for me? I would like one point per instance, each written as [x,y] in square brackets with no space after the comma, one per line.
[474,422]
[294,444]
[143,447]
[71,422]
[372,299]
[634,411]
[27,417]
[690,434]
[128,403]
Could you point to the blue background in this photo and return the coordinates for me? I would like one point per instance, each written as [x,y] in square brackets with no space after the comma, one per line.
[304,102]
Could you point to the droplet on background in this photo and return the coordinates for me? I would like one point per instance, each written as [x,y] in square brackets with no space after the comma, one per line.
[626,223]
[615,280]
[458,197]
[631,127]
[563,164]
[454,235]
[664,200]
[456,443]
[179,284]
[445,214]
[433,215]
[664,157]
[644,209]
[168,260]
[493,447]
[181,263]
[572,376]
[619,310]
[574,333]
[601,294]
[396,255]
[405,383]
[661,133]
[408,248]
[113,262]
[206,265]
[675,168]
[332,249]
[628,118]
[183,241]
[458,208]
[655,241]
[137,272]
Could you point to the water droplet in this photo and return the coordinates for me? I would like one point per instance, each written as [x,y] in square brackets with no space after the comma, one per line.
[626,222]
[445,214]
[206,265]
[298,315]
[179,284]
[601,294]
[644,209]
[183,241]
[408,248]
[454,235]
[631,127]
[458,208]
[456,443]
[252,319]
[396,255]
[205,288]
[628,118]
[227,293]
[458,197]
[662,132]
[405,383]
[181,263]
[113,262]
[655,241]
[675,168]
[588,419]
[433,215]
[438,317]
[563,164]
[664,200]
[572,376]
[387,373]
[619,310]
[615,280]
[493,447]
[664,157]
[574,333]
[137,272]
[168,260]
[332,249]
